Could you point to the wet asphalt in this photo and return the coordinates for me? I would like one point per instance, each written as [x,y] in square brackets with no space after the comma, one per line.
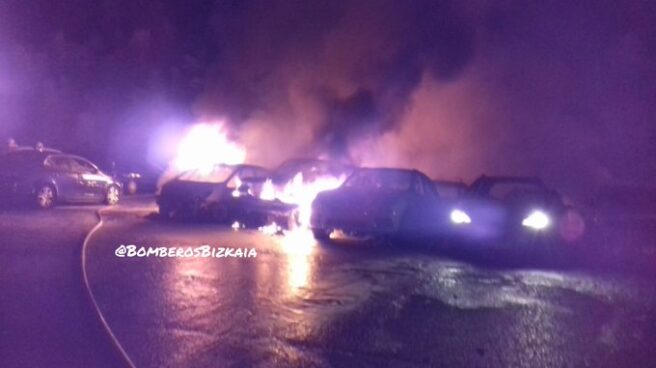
[300,303]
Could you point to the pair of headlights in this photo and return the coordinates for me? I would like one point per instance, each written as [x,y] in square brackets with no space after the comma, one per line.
[536,220]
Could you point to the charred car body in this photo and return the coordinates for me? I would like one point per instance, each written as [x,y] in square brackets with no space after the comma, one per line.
[510,209]
[223,194]
[285,195]
[380,202]
[45,177]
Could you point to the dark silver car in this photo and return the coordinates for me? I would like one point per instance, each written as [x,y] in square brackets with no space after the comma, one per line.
[381,202]
[47,177]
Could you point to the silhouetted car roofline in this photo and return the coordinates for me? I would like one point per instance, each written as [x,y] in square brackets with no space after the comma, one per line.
[233,167]
[449,182]
[486,182]
[508,179]
[309,159]
[388,169]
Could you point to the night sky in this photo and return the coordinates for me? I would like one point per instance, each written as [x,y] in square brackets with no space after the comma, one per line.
[561,89]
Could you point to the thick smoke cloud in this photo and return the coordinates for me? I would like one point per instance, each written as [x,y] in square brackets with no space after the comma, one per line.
[332,72]
[559,89]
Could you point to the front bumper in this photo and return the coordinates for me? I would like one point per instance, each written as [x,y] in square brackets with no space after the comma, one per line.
[361,224]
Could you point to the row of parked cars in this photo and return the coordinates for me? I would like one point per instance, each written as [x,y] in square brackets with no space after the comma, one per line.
[382,202]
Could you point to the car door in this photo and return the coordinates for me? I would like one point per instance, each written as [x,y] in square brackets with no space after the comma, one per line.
[431,208]
[68,182]
[92,182]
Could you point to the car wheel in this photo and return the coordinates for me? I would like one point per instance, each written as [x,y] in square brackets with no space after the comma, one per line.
[46,196]
[321,234]
[112,196]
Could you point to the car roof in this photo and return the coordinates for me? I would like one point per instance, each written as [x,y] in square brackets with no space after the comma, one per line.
[392,169]
[450,183]
[485,183]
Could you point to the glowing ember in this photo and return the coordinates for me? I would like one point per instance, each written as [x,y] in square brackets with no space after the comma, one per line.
[271,229]
[206,145]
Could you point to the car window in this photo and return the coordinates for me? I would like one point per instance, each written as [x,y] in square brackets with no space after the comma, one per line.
[81,166]
[240,175]
[59,163]
[381,179]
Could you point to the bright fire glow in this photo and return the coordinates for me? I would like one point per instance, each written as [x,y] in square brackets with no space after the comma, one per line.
[206,145]
[298,245]
[302,193]
[271,229]
[235,192]
[268,191]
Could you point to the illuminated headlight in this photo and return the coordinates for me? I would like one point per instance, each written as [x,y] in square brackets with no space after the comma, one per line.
[537,220]
[460,217]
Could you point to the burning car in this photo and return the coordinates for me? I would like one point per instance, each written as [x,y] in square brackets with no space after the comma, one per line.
[45,177]
[298,181]
[311,170]
[509,208]
[222,193]
[380,202]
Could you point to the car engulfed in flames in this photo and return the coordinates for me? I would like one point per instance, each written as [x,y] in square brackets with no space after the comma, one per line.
[208,180]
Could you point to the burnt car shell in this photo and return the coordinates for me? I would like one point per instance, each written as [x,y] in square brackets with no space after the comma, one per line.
[214,195]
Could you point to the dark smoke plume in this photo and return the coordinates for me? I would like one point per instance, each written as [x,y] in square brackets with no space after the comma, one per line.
[560,89]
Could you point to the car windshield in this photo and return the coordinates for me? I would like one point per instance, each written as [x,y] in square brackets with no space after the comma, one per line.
[218,174]
[380,179]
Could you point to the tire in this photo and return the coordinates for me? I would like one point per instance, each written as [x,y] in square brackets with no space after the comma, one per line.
[112,196]
[321,234]
[46,196]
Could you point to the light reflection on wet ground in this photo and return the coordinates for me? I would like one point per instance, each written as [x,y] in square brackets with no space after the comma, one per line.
[304,304]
